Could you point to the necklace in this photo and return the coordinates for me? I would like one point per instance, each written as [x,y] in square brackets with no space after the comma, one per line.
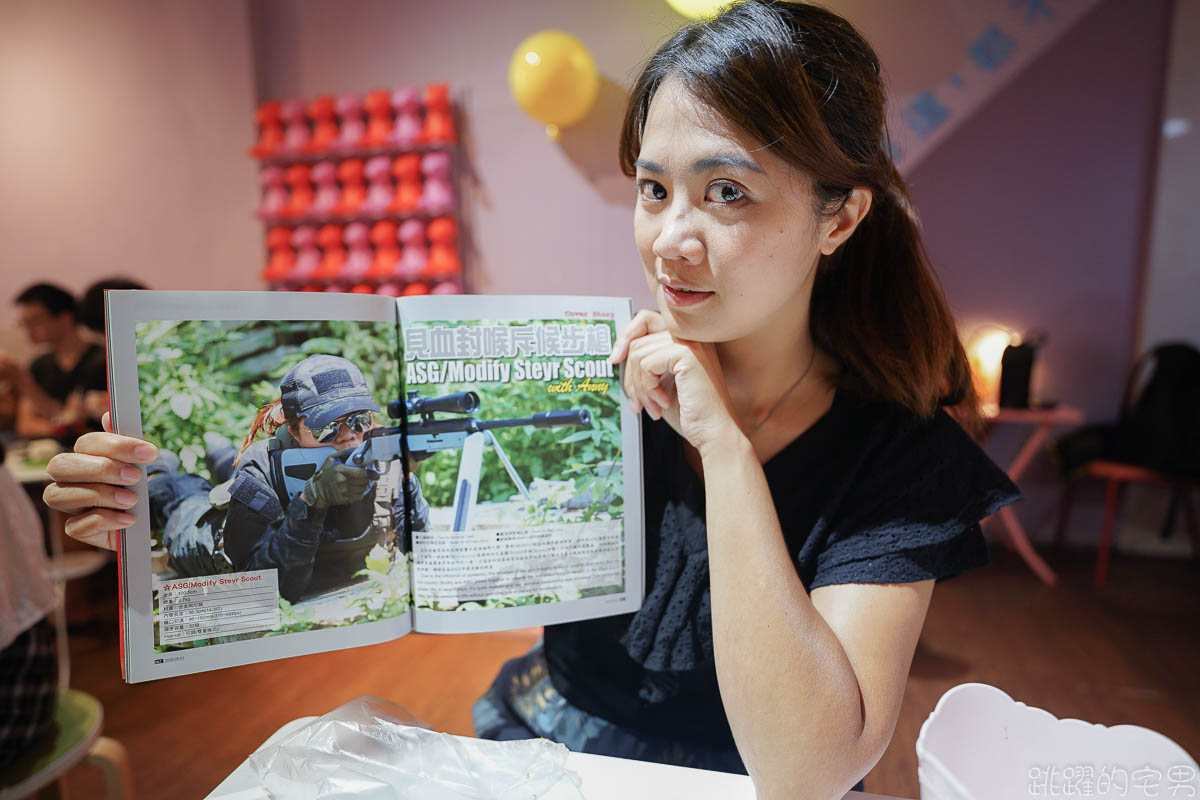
[784,396]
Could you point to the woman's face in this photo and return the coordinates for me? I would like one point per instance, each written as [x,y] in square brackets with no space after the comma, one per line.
[346,436]
[725,228]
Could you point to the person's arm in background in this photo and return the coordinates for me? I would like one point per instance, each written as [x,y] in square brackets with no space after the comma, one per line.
[95,403]
[36,417]
[35,410]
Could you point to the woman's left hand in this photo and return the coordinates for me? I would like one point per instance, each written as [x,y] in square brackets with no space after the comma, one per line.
[674,379]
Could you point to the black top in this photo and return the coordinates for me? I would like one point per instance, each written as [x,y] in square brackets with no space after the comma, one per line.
[90,373]
[868,494]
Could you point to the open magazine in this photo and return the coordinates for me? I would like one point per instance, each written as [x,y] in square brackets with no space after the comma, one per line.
[339,470]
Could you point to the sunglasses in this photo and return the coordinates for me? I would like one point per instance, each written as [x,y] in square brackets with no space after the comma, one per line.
[360,422]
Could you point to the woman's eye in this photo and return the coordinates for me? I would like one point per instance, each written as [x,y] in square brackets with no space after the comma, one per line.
[651,190]
[723,192]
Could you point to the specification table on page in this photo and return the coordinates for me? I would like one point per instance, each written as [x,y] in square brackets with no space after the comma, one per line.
[207,606]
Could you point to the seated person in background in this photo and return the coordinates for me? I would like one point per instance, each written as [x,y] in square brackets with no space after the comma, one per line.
[91,302]
[91,316]
[65,387]
[28,660]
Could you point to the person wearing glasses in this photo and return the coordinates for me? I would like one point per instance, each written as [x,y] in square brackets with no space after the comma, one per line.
[317,540]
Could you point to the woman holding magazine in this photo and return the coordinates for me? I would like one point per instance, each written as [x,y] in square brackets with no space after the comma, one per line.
[804,486]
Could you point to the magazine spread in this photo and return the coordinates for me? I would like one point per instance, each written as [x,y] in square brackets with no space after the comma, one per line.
[338,470]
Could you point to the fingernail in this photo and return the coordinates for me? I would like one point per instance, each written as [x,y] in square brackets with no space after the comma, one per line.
[125,497]
[145,452]
[131,474]
[126,519]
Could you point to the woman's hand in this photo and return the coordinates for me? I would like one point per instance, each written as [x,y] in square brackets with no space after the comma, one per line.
[674,379]
[88,484]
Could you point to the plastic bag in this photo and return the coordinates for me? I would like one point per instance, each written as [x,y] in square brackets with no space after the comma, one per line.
[371,748]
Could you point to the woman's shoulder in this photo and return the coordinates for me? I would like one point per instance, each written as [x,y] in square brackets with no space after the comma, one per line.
[907,499]
[909,467]
[884,430]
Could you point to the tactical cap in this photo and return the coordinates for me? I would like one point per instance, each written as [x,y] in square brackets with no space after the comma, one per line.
[323,388]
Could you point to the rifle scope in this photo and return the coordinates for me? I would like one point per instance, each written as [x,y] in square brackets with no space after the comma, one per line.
[543,419]
[457,403]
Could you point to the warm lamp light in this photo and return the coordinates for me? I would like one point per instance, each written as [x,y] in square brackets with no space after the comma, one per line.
[985,347]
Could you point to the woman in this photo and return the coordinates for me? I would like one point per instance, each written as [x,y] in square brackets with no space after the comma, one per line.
[804,488]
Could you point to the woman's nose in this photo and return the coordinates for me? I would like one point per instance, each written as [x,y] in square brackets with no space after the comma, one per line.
[679,238]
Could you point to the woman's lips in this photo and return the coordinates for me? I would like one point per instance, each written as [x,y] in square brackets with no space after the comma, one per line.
[683,297]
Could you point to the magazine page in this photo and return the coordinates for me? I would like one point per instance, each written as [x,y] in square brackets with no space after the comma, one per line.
[260,535]
[529,459]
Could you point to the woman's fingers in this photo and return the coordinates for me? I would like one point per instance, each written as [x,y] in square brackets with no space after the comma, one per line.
[77,497]
[643,323]
[106,423]
[100,458]
[116,446]
[68,468]
[640,384]
[99,527]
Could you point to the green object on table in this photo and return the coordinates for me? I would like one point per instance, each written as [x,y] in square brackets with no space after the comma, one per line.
[77,718]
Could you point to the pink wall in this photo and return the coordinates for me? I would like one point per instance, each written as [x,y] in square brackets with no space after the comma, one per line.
[122,146]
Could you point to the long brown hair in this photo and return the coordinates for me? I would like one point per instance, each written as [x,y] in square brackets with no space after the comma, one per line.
[270,417]
[802,81]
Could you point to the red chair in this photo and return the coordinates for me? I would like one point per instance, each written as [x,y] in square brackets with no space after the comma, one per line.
[1117,474]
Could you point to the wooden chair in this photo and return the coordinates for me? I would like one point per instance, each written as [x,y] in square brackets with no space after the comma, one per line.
[1116,475]
[75,736]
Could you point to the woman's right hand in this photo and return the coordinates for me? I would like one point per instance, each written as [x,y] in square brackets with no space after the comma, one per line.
[89,484]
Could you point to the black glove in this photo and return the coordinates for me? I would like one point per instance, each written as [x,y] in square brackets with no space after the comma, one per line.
[336,483]
[190,538]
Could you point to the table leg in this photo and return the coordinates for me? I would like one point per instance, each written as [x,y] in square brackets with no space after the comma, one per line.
[1020,541]
[1029,450]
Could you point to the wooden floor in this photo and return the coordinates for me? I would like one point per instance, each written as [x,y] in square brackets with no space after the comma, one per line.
[1129,654]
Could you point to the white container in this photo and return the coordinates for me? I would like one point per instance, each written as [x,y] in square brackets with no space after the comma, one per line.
[980,744]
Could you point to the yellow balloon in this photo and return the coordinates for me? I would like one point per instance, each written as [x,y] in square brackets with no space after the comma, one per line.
[698,9]
[553,77]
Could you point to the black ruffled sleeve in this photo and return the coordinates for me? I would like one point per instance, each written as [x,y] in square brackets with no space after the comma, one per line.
[911,510]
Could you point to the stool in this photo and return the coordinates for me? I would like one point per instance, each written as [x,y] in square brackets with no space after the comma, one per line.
[74,736]
[1118,474]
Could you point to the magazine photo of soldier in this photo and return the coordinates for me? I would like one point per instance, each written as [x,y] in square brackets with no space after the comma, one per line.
[273,456]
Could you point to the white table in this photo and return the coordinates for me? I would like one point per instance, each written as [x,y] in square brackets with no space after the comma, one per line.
[603,778]
[25,472]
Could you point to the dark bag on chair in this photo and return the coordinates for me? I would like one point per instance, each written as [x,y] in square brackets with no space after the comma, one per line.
[1159,428]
